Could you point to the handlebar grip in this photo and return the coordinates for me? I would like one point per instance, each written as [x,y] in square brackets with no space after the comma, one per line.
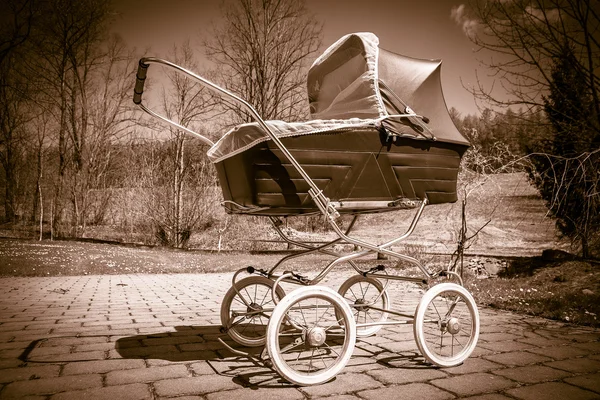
[140,79]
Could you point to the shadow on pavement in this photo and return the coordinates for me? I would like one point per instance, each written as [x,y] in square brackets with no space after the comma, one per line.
[187,343]
[199,343]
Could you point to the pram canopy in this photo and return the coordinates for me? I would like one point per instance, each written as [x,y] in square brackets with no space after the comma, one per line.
[354,78]
[380,132]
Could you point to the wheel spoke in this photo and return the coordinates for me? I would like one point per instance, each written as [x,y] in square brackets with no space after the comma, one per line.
[322,359]
[262,301]
[237,298]
[303,317]
[331,349]
[354,294]
[436,311]
[249,296]
[322,315]
[372,319]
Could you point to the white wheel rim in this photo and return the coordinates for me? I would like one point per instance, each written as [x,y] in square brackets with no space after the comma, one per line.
[368,292]
[255,291]
[446,330]
[304,364]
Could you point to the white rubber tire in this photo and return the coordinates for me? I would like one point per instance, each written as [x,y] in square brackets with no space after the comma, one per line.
[384,302]
[280,319]
[239,335]
[433,323]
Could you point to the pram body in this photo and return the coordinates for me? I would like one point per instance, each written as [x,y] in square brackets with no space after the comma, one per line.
[354,168]
[364,151]
[358,149]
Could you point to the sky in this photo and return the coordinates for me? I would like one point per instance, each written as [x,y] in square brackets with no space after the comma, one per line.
[416,28]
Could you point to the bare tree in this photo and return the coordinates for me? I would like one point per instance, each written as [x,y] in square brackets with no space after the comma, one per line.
[109,114]
[525,37]
[13,119]
[262,50]
[477,168]
[547,57]
[41,125]
[67,52]
[16,20]
[175,198]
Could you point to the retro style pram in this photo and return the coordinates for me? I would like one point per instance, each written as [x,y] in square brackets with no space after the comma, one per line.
[365,151]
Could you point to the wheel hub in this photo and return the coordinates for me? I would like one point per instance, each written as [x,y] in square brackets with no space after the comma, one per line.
[316,337]
[358,304]
[253,307]
[453,326]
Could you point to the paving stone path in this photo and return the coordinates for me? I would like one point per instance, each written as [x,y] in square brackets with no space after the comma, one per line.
[155,337]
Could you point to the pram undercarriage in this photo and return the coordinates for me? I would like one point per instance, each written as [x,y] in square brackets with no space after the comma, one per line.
[332,168]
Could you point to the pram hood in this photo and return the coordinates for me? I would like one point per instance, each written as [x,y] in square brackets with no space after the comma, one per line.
[354,84]
[354,77]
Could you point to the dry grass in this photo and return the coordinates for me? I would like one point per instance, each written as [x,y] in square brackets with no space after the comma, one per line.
[20,257]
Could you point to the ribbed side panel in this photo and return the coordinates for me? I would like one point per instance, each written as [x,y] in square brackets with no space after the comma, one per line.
[350,166]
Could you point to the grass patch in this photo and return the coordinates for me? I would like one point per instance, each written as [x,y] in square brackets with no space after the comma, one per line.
[30,258]
[562,290]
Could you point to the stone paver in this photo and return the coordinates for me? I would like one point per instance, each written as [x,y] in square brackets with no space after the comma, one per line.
[343,384]
[532,374]
[410,391]
[590,382]
[155,337]
[552,390]
[517,358]
[129,392]
[406,375]
[471,384]
[146,374]
[260,393]
[198,385]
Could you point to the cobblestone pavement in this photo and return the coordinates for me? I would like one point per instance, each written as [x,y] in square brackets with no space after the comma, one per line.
[155,337]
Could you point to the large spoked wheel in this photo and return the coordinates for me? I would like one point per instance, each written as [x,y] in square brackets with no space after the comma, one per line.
[324,342]
[368,300]
[245,312]
[446,325]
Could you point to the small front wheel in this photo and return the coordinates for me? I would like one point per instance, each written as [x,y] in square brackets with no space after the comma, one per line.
[369,302]
[311,335]
[446,325]
[246,309]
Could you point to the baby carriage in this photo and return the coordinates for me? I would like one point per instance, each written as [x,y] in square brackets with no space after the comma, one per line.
[364,151]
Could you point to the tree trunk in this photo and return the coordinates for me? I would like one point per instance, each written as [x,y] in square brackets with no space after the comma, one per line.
[56,202]
[39,189]
[8,163]
[178,192]
[9,200]
[38,185]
